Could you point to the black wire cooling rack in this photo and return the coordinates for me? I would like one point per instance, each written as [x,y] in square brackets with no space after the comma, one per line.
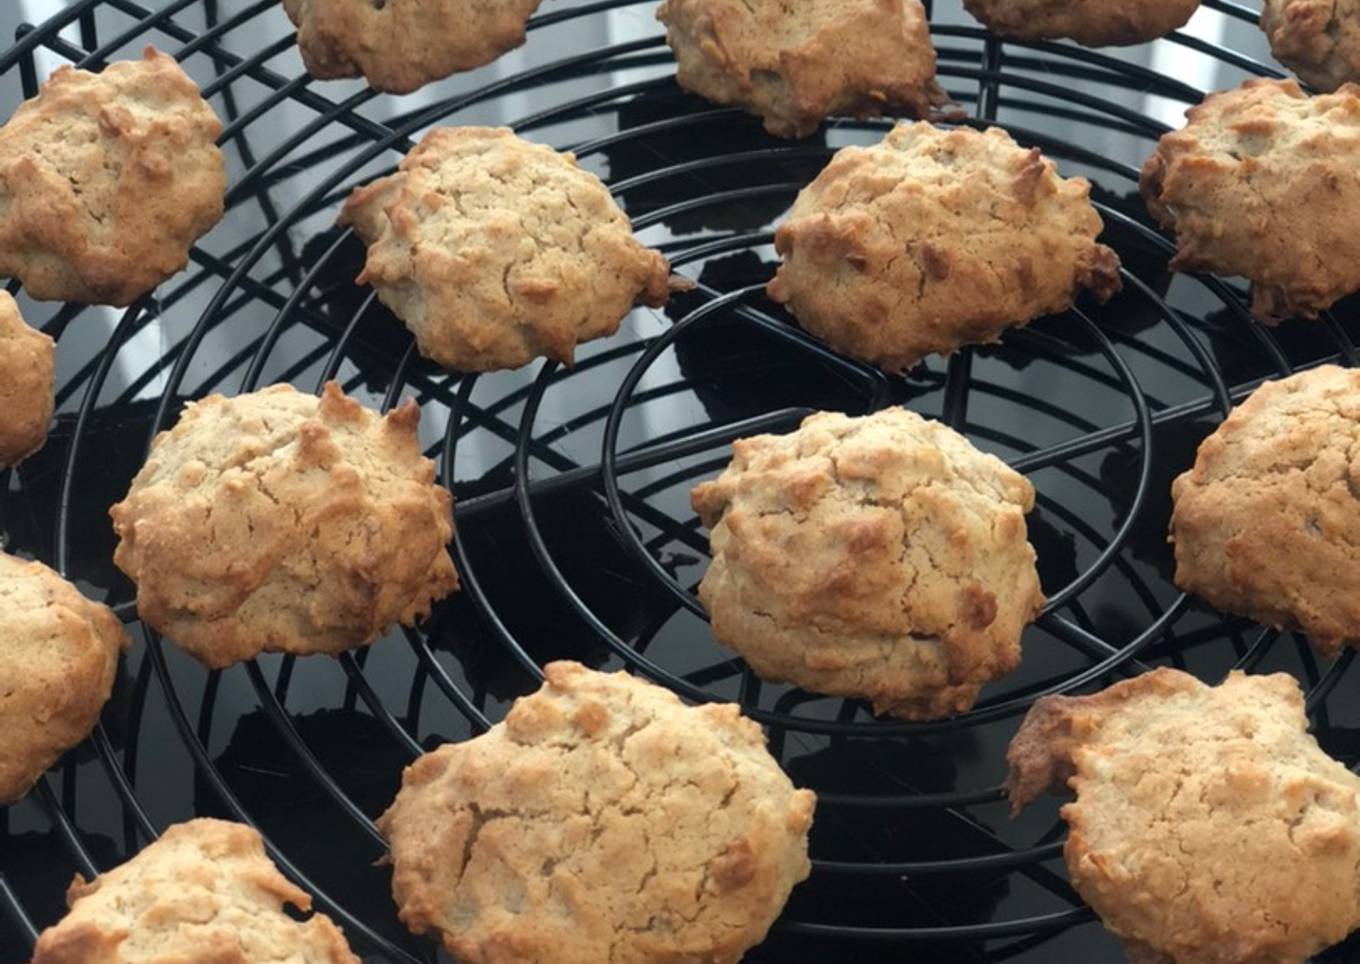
[575,538]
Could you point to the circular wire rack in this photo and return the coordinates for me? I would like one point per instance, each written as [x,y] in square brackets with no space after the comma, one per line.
[575,538]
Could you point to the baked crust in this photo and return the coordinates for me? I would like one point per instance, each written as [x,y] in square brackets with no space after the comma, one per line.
[1092,23]
[401,45]
[1265,523]
[107,180]
[881,558]
[280,522]
[1317,39]
[27,373]
[603,820]
[58,658]
[934,239]
[1257,164]
[1208,826]
[797,64]
[205,893]
[495,251]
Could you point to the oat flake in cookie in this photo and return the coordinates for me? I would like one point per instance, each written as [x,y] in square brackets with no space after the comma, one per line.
[603,820]
[281,522]
[1208,826]
[495,251]
[1092,23]
[27,370]
[107,180]
[1264,182]
[795,64]
[1317,39]
[880,557]
[934,239]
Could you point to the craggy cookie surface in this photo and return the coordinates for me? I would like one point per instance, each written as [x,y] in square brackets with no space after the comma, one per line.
[282,522]
[797,64]
[1317,39]
[1264,182]
[27,371]
[603,820]
[1094,23]
[934,239]
[1208,825]
[880,557]
[204,892]
[495,251]
[58,657]
[1266,524]
[106,180]
[402,45]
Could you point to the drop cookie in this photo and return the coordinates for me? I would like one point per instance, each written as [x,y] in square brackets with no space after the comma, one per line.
[58,658]
[1265,523]
[27,373]
[495,251]
[797,64]
[603,820]
[934,239]
[1208,824]
[1091,23]
[881,558]
[282,522]
[401,45]
[1264,182]
[107,180]
[205,891]
[1317,39]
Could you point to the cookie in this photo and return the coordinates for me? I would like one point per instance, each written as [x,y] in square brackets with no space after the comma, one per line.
[58,657]
[107,180]
[495,251]
[797,64]
[882,558]
[1265,523]
[1317,39]
[1208,825]
[1092,23]
[1264,182]
[27,360]
[401,45]
[205,891]
[603,820]
[934,239]
[280,522]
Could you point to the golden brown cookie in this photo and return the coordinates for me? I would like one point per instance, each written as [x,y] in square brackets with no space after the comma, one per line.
[880,557]
[603,820]
[1092,23]
[935,239]
[402,45]
[1264,182]
[107,180]
[280,522]
[27,360]
[1208,827]
[58,657]
[1266,523]
[1317,39]
[797,64]
[495,251]
[204,892]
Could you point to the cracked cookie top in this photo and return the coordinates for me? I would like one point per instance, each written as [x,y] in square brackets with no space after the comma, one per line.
[58,658]
[934,239]
[602,821]
[205,891]
[880,557]
[1317,39]
[797,64]
[1092,23]
[1209,827]
[106,181]
[1264,182]
[1267,522]
[282,522]
[27,371]
[495,251]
